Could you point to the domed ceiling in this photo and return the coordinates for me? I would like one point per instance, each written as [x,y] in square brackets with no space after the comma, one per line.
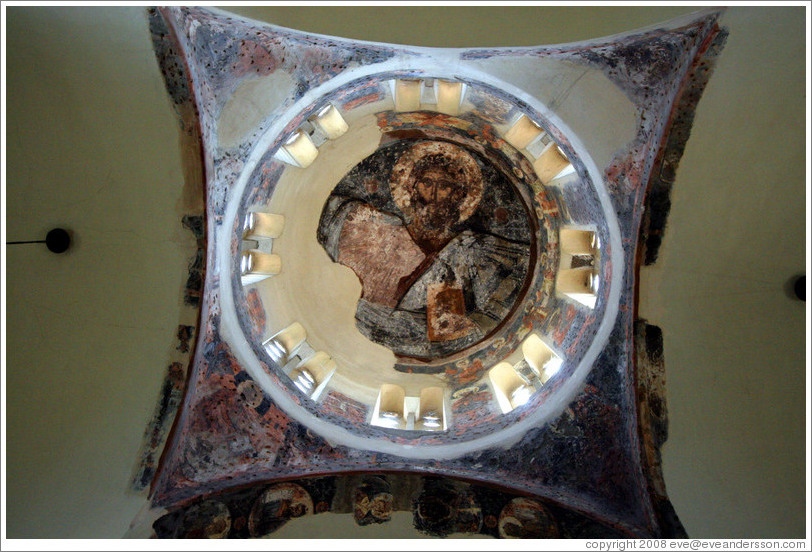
[423,260]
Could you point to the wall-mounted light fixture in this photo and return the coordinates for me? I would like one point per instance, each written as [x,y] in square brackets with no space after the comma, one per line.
[57,240]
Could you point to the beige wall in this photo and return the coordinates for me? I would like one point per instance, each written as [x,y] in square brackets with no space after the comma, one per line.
[93,146]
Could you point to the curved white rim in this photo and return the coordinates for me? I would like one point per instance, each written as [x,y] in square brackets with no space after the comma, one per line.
[441,63]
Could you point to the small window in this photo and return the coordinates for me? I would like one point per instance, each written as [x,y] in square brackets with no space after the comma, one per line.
[304,380]
[300,150]
[510,388]
[552,164]
[432,94]
[431,415]
[389,410]
[578,276]
[260,225]
[255,266]
[578,242]
[407,94]
[540,357]
[580,284]
[523,132]
[395,410]
[449,96]
[284,344]
[330,122]
[311,375]
[514,384]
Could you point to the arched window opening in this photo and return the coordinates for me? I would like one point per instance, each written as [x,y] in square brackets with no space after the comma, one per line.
[312,375]
[390,407]
[578,276]
[283,345]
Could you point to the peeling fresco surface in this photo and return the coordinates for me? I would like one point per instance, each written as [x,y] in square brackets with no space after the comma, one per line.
[440,507]
[171,395]
[447,285]
[174,383]
[593,471]
[194,283]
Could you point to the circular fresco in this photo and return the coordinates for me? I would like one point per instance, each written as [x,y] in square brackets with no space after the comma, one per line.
[451,240]
[440,240]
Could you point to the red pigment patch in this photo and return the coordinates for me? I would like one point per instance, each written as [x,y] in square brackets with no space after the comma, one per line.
[341,405]
[564,325]
[469,374]
[379,252]
[276,423]
[371,185]
[357,102]
[446,317]
[254,58]
[256,311]
[501,215]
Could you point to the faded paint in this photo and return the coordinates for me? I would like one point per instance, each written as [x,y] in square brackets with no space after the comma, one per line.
[577,442]
[254,100]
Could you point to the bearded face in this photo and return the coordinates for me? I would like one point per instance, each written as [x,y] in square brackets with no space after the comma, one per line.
[438,191]
[437,185]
